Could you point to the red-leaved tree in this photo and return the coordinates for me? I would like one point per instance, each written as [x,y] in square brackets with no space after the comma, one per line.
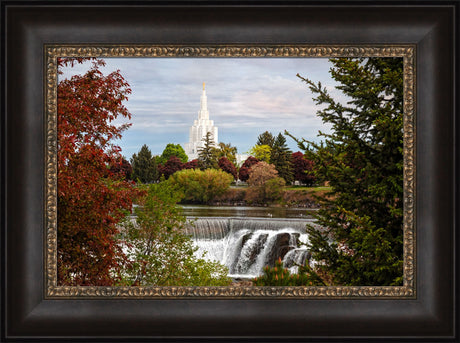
[92,199]
[243,174]
[171,166]
[193,164]
[122,167]
[227,166]
[303,168]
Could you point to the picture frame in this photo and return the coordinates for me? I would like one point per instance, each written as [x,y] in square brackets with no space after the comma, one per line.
[243,52]
[32,313]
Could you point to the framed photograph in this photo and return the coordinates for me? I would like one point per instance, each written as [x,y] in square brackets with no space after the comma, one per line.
[205,170]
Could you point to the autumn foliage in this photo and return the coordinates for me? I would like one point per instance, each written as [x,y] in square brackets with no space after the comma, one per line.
[227,166]
[171,166]
[243,174]
[93,196]
[121,167]
[193,164]
[303,169]
[264,183]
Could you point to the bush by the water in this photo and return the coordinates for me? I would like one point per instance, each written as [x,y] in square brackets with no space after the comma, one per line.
[201,186]
[280,276]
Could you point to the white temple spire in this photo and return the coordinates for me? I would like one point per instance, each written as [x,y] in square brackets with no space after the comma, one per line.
[203,113]
[200,127]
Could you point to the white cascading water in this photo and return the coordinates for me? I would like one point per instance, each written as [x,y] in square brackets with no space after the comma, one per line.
[246,245]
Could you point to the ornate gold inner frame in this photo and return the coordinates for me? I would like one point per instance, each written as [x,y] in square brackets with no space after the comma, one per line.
[52,52]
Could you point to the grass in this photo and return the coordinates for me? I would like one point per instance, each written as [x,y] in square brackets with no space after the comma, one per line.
[311,189]
[294,188]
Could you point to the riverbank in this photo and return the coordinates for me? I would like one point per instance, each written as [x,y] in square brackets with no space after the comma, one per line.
[303,197]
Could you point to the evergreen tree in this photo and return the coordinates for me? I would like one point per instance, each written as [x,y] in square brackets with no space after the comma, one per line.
[145,167]
[266,138]
[281,157]
[207,155]
[362,239]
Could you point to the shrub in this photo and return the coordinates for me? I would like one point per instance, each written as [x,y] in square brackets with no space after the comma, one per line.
[280,276]
[201,186]
[273,189]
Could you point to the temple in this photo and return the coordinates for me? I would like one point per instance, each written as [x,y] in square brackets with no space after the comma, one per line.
[200,127]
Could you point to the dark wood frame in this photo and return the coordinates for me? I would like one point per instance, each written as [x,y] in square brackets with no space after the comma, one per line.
[27,26]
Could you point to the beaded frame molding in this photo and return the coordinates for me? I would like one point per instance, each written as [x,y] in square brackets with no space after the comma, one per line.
[53,52]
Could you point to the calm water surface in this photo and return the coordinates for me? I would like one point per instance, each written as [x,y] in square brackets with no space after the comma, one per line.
[245,211]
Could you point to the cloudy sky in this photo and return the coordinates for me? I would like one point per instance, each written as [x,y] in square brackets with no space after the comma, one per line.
[246,96]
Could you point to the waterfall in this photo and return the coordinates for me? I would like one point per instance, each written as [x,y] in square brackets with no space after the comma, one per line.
[208,228]
[246,245]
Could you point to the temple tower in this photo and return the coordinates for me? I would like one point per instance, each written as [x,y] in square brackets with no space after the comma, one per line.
[200,127]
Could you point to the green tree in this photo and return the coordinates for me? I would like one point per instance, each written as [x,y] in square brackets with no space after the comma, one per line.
[172,150]
[228,151]
[201,185]
[145,166]
[266,138]
[208,154]
[281,158]
[159,251]
[261,152]
[362,158]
